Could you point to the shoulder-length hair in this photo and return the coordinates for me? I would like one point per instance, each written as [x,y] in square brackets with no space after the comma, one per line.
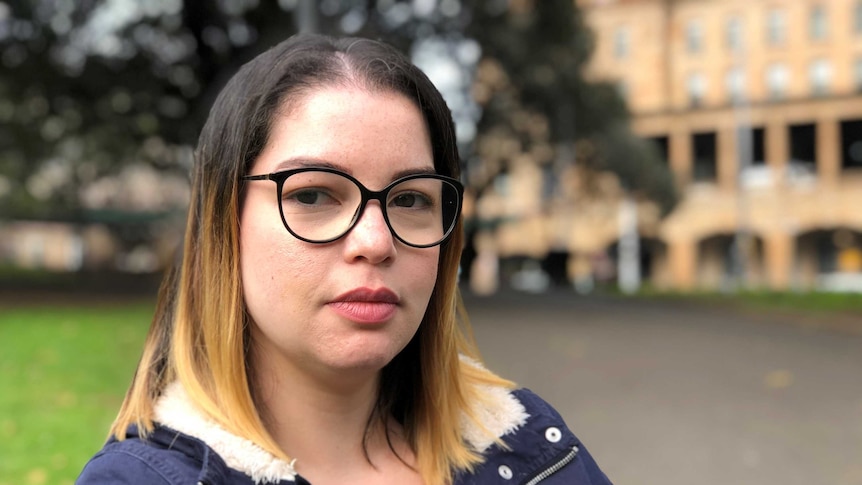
[200,331]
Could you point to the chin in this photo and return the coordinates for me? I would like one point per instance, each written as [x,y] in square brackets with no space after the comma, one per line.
[366,359]
[369,363]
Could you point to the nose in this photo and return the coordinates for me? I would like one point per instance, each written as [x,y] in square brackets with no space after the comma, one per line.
[370,239]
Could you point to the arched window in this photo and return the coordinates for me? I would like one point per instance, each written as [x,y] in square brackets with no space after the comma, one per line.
[857,74]
[694,37]
[820,76]
[777,79]
[622,43]
[818,23]
[696,86]
[733,34]
[776,27]
[735,84]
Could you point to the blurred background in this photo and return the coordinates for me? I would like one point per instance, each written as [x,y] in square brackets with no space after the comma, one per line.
[652,181]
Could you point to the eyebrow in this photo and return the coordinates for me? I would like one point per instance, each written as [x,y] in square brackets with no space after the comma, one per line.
[293,163]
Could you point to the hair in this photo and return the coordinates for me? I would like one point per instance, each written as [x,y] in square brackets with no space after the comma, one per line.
[200,330]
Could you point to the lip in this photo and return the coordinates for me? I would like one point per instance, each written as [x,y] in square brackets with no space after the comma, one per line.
[366,305]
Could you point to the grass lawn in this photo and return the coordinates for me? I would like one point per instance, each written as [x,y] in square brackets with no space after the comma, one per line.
[63,373]
[773,301]
[812,302]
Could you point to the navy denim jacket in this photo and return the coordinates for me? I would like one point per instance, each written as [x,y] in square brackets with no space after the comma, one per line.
[542,451]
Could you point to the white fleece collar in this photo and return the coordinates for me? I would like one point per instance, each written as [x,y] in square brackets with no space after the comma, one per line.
[501,415]
[175,410]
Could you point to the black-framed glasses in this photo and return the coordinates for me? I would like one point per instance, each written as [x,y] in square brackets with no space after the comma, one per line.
[321,205]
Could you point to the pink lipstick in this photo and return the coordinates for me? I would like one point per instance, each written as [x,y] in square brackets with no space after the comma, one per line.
[366,306]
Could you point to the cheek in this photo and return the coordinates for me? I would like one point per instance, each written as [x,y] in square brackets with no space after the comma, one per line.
[270,270]
[425,274]
[270,263]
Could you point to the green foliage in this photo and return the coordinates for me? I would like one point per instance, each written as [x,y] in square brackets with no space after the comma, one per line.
[85,98]
[543,47]
[637,164]
[63,373]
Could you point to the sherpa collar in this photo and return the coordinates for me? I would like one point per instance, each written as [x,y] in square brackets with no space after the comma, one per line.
[501,415]
[176,410]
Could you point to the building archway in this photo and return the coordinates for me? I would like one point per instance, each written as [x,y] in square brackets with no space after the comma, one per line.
[721,265]
[829,259]
[652,264]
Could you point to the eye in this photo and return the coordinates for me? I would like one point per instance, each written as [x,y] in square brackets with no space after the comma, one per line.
[310,197]
[412,200]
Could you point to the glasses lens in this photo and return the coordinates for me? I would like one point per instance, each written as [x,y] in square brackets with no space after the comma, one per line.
[319,206]
[422,211]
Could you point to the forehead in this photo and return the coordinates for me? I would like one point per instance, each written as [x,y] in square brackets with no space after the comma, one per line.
[354,129]
[344,97]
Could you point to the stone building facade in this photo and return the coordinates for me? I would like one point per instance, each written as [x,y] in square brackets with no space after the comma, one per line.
[757,107]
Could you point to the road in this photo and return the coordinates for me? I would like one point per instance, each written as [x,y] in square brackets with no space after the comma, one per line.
[679,394]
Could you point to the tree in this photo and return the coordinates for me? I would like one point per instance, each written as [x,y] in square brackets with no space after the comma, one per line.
[91,88]
[94,87]
[532,74]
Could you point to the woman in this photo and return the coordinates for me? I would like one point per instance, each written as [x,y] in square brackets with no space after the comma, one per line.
[309,334]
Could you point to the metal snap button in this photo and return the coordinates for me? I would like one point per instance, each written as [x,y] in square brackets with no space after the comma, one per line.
[553,434]
[505,472]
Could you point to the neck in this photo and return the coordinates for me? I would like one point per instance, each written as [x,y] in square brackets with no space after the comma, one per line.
[320,418]
[298,409]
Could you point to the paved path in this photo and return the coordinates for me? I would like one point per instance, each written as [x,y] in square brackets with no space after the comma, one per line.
[671,394]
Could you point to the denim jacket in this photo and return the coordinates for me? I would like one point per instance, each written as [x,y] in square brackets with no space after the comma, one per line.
[541,450]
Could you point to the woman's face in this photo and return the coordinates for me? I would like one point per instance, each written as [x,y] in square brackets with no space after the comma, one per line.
[351,304]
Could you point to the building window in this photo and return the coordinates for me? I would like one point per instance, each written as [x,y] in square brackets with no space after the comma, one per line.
[622,43]
[696,86]
[777,79]
[550,182]
[803,146]
[851,144]
[623,90]
[734,34]
[501,185]
[662,146]
[704,154]
[776,27]
[758,147]
[735,83]
[694,37]
[820,74]
[817,23]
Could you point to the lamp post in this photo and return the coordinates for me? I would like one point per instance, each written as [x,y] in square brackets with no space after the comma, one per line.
[742,242]
[306,16]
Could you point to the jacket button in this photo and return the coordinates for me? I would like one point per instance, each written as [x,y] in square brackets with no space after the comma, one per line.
[553,434]
[505,472]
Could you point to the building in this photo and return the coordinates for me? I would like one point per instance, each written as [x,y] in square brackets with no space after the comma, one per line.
[757,107]
[93,241]
[129,222]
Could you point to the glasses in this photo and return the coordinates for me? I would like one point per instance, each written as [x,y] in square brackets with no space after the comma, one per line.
[321,205]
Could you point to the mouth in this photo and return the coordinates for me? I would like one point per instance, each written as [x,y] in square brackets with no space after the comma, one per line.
[366,306]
